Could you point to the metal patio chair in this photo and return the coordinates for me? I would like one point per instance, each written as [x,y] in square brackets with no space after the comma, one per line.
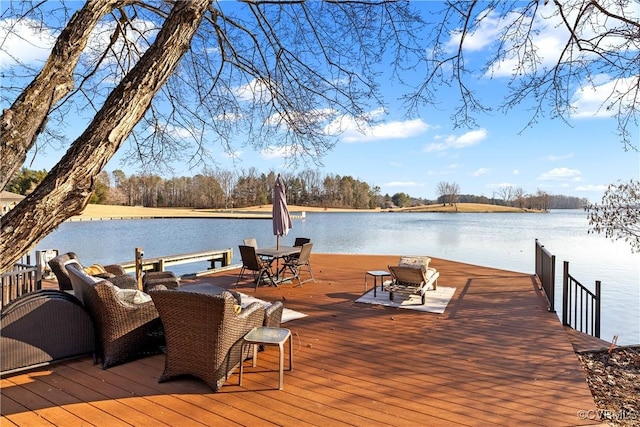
[296,264]
[261,269]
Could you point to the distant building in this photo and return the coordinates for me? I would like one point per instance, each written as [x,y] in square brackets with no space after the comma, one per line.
[8,200]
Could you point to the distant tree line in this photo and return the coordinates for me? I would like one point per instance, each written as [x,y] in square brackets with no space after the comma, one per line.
[540,200]
[448,193]
[221,189]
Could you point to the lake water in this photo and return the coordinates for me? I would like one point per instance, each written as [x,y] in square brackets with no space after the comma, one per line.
[505,241]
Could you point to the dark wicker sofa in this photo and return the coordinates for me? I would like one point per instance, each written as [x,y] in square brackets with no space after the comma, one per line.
[43,327]
[125,329]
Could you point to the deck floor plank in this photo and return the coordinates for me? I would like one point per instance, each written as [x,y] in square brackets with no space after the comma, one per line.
[44,401]
[494,357]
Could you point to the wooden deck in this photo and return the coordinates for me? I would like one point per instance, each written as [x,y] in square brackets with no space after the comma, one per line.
[495,357]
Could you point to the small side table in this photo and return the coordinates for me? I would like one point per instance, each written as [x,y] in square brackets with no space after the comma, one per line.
[266,335]
[375,273]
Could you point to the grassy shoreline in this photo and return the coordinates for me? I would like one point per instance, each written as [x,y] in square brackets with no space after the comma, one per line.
[97,212]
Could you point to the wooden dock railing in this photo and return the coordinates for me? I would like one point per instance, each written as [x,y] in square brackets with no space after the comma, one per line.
[22,279]
[221,256]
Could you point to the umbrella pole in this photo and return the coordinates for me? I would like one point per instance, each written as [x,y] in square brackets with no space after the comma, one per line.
[277,259]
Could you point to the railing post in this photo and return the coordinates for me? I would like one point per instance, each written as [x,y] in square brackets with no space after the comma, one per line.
[537,261]
[565,293]
[552,285]
[598,285]
[139,253]
[38,275]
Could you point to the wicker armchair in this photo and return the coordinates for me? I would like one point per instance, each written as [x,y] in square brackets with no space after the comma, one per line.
[153,279]
[204,333]
[43,327]
[125,329]
[115,273]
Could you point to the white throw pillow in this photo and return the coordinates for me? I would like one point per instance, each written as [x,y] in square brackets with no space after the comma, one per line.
[132,296]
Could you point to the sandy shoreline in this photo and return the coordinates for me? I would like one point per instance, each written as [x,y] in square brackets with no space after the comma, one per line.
[97,212]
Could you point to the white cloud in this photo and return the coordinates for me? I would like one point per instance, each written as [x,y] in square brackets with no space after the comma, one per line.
[548,38]
[516,172]
[556,158]
[602,96]
[180,132]
[480,172]
[505,185]
[309,118]
[485,35]
[234,155]
[561,174]
[548,48]
[274,152]
[229,116]
[456,142]
[30,42]
[255,90]
[25,41]
[353,130]
[603,100]
[549,35]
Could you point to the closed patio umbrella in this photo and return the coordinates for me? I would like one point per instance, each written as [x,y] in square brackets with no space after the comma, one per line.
[280,211]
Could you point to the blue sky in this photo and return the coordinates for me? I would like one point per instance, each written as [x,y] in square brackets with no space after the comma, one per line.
[413,155]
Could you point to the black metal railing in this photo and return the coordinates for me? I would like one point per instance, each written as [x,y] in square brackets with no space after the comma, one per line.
[546,272]
[22,279]
[580,306]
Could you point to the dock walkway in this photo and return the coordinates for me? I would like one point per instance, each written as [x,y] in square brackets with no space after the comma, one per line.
[495,357]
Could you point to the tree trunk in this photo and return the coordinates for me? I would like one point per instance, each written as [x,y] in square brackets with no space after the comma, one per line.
[68,186]
[25,120]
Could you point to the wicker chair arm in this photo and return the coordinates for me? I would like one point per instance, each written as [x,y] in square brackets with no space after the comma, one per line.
[236,295]
[249,310]
[115,269]
[273,314]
